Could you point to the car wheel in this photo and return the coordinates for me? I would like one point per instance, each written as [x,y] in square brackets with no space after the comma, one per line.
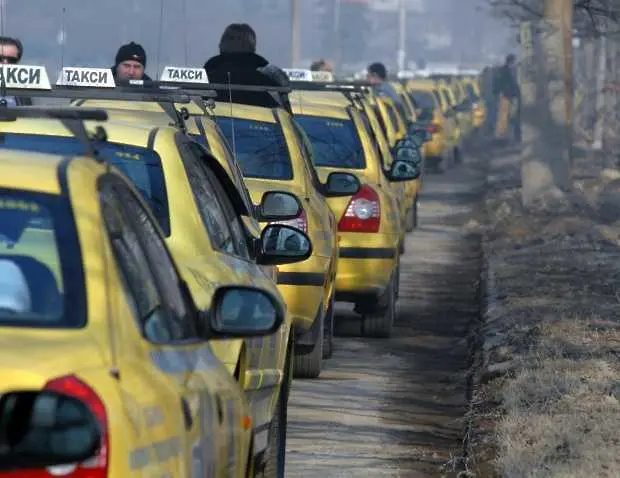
[309,365]
[415,212]
[410,220]
[378,323]
[401,247]
[458,157]
[276,452]
[328,329]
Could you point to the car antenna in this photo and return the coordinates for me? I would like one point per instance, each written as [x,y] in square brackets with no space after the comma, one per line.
[232,120]
[62,37]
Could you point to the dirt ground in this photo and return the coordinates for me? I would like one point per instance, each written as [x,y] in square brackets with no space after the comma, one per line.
[546,401]
[395,407]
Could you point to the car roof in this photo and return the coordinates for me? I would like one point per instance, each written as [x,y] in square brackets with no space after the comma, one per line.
[30,171]
[317,109]
[236,110]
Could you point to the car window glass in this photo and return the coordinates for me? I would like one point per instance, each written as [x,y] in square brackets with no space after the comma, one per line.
[159,259]
[132,262]
[233,220]
[366,127]
[212,215]
[307,152]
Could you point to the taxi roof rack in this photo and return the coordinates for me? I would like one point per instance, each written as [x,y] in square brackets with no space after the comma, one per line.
[71,117]
[165,97]
[343,86]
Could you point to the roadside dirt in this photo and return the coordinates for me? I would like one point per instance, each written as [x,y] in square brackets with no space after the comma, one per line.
[395,408]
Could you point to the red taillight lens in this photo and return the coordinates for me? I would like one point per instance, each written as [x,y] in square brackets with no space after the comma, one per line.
[95,467]
[300,222]
[433,128]
[363,214]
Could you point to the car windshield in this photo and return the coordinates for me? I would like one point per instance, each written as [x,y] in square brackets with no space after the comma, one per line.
[41,276]
[141,165]
[336,142]
[260,148]
[423,99]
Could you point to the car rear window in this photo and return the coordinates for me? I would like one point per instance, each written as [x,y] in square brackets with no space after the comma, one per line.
[336,142]
[141,165]
[423,99]
[41,276]
[260,148]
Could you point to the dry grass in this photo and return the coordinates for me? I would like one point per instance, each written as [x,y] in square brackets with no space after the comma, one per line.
[558,283]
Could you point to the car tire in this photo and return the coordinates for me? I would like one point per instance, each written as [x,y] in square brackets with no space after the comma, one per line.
[380,322]
[276,451]
[401,247]
[415,212]
[309,365]
[328,334]
[410,226]
[458,157]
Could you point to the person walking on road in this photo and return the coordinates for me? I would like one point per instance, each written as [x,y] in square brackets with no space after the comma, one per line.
[505,85]
[238,63]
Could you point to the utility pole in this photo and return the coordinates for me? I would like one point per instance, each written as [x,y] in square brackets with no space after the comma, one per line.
[295,40]
[402,35]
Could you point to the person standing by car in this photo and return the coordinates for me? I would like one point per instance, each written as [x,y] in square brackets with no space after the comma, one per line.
[238,63]
[11,52]
[130,63]
[376,74]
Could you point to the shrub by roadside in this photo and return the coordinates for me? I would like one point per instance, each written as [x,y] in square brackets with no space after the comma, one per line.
[547,395]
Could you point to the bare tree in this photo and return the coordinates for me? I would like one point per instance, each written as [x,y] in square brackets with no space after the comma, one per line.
[547,83]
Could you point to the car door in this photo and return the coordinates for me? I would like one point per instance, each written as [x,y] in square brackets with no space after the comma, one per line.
[179,352]
[325,217]
[231,250]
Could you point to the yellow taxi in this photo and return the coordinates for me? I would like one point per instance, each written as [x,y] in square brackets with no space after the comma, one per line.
[201,214]
[369,225]
[432,105]
[93,306]
[270,151]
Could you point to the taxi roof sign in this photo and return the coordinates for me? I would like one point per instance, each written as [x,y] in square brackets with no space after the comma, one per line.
[25,77]
[178,74]
[298,74]
[87,77]
[325,76]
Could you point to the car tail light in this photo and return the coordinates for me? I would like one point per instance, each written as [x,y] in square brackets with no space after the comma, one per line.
[300,222]
[363,214]
[433,128]
[95,467]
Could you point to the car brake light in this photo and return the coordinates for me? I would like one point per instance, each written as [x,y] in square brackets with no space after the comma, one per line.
[95,467]
[363,214]
[433,128]
[300,222]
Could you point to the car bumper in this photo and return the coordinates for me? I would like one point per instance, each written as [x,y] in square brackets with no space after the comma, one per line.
[303,287]
[366,270]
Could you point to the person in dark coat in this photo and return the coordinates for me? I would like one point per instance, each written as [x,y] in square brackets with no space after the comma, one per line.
[11,52]
[239,64]
[505,84]
[130,63]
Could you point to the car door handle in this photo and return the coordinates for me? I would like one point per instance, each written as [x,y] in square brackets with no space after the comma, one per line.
[187,414]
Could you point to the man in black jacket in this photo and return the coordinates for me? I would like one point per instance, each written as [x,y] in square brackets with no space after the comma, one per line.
[239,64]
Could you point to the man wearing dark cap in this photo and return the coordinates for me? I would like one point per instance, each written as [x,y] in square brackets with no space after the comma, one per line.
[130,63]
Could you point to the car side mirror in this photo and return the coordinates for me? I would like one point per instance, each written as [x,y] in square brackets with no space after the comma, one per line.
[404,171]
[341,184]
[244,311]
[278,206]
[44,429]
[409,154]
[283,244]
